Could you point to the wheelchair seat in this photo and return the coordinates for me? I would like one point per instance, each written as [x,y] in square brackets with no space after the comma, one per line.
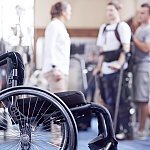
[72,98]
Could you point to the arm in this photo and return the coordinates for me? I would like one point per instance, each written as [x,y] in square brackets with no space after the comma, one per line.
[51,34]
[125,37]
[100,42]
[50,43]
[143,46]
[99,64]
[122,58]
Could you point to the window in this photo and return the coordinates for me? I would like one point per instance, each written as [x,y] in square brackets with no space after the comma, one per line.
[17,22]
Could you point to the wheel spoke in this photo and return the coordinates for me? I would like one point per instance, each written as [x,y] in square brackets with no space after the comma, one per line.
[28,122]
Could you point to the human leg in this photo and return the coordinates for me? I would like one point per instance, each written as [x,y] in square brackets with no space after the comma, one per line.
[56,86]
[110,87]
[142,115]
[141,92]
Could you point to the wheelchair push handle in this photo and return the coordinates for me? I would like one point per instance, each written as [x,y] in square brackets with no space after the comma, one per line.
[12,56]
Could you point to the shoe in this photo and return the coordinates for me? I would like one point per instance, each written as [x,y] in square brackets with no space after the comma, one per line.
[121,136]
[141,135]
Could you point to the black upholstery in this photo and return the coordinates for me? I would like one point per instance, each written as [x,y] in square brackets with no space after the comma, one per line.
[72,98]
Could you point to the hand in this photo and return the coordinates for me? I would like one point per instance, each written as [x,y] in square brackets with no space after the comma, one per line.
[57,74]
[96,71]
[115,66]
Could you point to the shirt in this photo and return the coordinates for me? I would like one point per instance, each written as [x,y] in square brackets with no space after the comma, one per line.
[108,41]
[57,47]
[142,59]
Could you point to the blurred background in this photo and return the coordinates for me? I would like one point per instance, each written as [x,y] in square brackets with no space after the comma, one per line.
[22,27]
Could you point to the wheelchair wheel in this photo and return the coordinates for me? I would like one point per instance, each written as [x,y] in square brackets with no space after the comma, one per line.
[30,114]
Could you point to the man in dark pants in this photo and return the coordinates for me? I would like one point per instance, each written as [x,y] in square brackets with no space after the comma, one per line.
[112,54]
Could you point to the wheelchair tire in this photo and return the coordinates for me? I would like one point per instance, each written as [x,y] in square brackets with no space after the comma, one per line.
[29,108]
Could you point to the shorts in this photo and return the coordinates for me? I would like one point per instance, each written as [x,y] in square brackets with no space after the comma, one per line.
[141,86]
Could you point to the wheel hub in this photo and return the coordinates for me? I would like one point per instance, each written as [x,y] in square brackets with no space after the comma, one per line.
[24,139]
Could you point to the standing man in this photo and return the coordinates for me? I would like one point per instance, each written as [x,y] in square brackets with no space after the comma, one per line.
[114,42]
[141,73]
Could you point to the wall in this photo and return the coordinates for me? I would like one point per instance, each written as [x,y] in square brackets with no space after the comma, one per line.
[129,9]
[85,13]
[139,2]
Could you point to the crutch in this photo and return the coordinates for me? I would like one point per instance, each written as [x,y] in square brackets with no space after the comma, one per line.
[119,92]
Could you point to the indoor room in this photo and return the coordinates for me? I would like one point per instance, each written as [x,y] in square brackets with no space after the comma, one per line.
[75,74]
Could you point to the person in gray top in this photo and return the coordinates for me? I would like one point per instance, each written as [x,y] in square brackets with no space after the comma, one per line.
[141,68]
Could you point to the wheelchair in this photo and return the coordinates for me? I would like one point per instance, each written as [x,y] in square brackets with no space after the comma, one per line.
[30,111]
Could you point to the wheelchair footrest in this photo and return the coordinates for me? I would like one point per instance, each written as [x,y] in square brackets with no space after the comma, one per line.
[100,142]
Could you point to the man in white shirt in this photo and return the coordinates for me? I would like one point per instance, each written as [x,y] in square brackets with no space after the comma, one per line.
[114,42]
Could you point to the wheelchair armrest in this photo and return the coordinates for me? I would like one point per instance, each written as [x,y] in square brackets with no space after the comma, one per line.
[72,98]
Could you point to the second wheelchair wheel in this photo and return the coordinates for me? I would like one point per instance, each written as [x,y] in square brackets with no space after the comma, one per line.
[37,119]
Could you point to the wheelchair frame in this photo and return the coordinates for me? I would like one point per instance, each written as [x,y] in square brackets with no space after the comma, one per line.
[105,138]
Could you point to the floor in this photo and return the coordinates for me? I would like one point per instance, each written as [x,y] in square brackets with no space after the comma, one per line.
[85,136]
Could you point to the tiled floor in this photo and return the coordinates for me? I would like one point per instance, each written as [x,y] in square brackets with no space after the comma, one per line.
[86,136]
